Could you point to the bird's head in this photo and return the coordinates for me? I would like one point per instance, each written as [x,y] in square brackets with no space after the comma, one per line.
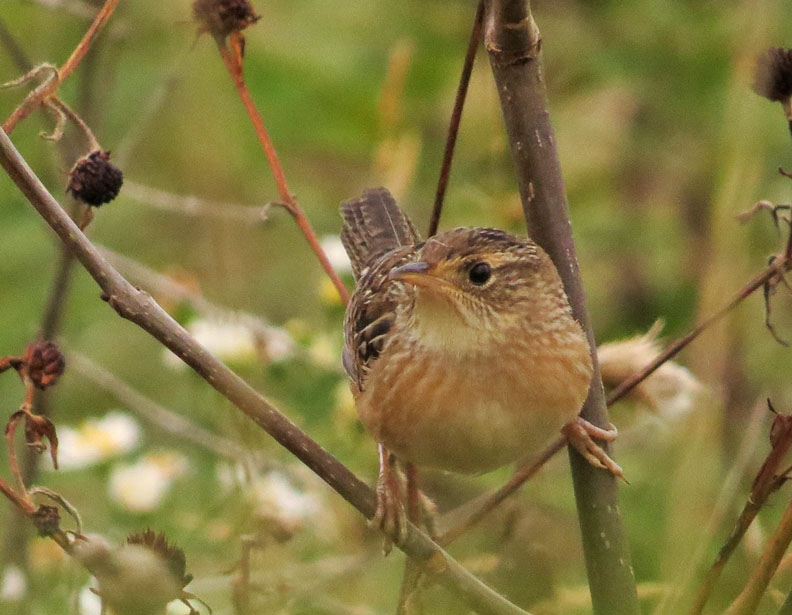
[484,280]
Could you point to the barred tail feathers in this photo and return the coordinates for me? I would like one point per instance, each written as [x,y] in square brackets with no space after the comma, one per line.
[373,225]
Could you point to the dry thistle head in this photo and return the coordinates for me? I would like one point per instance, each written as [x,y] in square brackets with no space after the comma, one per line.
[45,363]
[222,17]
[169,552]
[773,74]
[95,180]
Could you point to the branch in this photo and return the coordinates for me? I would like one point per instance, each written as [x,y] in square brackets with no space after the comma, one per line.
[456,116]
[513,42]
[138,307]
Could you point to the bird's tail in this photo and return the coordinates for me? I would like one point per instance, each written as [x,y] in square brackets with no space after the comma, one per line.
[374,225]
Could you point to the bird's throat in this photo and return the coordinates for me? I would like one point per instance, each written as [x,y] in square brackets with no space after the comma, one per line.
[442,324]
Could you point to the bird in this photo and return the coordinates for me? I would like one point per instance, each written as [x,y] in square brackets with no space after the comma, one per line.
[462,351]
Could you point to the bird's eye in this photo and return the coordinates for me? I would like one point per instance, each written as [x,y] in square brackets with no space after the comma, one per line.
[480,273]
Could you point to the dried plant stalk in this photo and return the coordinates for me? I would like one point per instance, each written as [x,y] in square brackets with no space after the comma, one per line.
[513,42]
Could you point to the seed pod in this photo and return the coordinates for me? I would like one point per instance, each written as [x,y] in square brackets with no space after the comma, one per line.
[95,180]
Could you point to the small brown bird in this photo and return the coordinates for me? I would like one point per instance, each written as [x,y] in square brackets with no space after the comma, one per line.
[462,350]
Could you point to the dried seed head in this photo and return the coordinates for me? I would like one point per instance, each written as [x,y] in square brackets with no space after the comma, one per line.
[773,75]
[46,519]
[45,363]
[173,555]
[95,180]
[222,17]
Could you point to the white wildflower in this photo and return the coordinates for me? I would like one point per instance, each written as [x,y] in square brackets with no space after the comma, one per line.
[96,440]
[227,340]
[88,603]
[278,344]
[142,486]
[336,253]
[13,585]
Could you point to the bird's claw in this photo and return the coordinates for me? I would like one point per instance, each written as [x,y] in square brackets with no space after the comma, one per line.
[580,434]
[390,516]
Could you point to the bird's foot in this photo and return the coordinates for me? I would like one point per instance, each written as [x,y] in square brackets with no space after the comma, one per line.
[390,515]
[421,510]
[580,434]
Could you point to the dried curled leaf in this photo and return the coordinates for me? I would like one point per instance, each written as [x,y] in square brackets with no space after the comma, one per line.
[37,428]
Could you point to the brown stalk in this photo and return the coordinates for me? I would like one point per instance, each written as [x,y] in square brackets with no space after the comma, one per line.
[232,58]
[748,600]
[513,43]
[30,103]
[138,307]
[456,117]
[767,481]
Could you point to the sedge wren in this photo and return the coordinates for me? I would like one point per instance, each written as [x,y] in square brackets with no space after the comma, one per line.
[462,350]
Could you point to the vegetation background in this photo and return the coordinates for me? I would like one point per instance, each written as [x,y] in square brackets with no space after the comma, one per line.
[662,143]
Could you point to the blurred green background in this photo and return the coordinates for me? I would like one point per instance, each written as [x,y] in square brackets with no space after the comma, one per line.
[662,143]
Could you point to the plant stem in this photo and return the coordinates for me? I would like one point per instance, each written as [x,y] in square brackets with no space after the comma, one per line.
[513,42]
[456,116]
[232,58]
[748,600]
[27,107]
[139,307]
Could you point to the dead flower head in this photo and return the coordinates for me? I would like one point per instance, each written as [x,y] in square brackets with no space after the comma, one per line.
[95,180]
[169,552]
[773,76]
[45,363]
[222,17]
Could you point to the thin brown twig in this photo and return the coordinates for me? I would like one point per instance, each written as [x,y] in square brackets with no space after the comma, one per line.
[232,58]
[138,307]
[456,117]
[31,103]
[493,500]
[780,264]
[748,600]
[767,481]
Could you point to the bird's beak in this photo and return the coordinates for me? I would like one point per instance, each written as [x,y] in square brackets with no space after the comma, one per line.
[419,274]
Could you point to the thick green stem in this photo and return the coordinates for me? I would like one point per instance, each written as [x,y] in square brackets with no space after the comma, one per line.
[514,45]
